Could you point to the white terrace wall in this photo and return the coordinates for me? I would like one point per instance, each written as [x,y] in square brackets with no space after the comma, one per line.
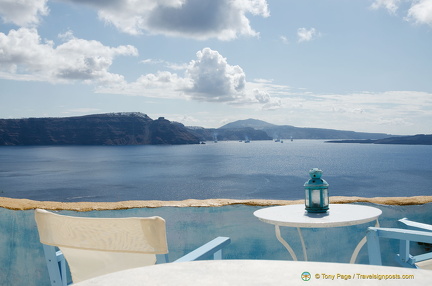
[22,261]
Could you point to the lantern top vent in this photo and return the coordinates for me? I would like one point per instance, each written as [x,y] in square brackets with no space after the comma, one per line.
[315,173]
[315,180]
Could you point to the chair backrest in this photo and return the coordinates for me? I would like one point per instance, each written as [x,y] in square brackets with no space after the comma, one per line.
[97,246]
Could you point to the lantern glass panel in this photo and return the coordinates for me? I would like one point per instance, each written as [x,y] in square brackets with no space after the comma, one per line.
[316,198]
[326,197]
[307,200]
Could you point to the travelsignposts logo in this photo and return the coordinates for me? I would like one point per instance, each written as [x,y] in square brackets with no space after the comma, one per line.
[305,276]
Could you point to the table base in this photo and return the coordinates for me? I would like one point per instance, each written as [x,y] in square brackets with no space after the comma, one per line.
[294,256]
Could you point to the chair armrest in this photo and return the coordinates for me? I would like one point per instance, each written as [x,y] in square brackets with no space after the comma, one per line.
[403,234]
[415,224]
[212,247]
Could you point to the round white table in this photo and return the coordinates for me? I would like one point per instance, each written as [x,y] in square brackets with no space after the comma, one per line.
[262,272]
[338,215]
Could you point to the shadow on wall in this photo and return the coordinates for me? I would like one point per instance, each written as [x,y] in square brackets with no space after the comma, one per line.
[22,261]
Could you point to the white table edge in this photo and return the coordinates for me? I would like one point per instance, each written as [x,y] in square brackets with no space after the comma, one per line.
[320,225]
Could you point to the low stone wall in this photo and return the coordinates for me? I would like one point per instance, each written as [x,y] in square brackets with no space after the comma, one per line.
[25,204]
[191,223]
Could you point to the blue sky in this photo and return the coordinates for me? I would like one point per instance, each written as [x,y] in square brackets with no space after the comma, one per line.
[361,65]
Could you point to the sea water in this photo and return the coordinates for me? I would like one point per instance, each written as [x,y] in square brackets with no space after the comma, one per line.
[236,170]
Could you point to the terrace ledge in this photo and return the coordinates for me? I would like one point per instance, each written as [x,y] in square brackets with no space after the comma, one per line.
[25,204]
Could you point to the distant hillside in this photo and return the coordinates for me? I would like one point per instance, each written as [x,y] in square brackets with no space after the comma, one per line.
[248,123]
[230,134]
[139,129]
[419,139]
[288,131]
[99,129]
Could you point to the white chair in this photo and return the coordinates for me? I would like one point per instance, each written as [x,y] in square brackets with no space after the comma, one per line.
[97,246]
[404,257]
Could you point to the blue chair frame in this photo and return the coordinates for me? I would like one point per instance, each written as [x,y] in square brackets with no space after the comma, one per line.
[405,236]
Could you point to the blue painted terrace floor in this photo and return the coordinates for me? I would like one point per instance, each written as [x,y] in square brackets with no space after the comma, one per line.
[22,261]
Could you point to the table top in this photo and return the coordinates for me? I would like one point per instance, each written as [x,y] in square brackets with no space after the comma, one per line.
[337,215]
[262,272]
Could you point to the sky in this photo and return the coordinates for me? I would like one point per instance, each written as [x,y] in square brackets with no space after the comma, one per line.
[360,65]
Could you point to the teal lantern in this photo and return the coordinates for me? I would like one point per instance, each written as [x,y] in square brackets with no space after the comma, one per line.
[316,193]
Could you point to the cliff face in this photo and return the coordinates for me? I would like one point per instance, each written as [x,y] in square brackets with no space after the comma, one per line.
[101,129]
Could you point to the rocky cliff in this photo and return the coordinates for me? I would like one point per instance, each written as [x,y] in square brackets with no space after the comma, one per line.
[100,129]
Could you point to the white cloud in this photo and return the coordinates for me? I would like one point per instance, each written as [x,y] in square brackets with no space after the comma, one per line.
[152,61]
[306,35]
[394,121]
[375,106]
[208,78]
[284,40]
[389,112]
[391,5]
[25,56]
[199,19]
[170,65]
[263,80]
[213,78]
[261,96]
[163,80]
[269,103]
[421,12]
[162,84]
[23,12]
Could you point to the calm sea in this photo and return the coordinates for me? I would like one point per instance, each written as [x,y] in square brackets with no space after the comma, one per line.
[256,170]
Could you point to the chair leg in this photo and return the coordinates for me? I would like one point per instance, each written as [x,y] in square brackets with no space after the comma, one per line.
[218,255]
[162,258]
[404,249]
[373,246]
[56,266]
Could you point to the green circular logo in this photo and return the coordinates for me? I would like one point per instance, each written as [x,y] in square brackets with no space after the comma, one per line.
[305,276]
